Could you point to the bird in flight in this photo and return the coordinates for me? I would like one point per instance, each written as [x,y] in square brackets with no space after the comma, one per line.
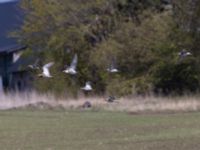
[45,70]
[72,68]
[35,65]
[112,68]
[184,53]
[87,86]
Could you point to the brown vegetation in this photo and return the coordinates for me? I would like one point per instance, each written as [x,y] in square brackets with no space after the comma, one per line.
[133,105]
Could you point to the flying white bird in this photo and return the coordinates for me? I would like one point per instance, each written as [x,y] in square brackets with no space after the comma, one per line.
[17,56]
[35,65]
[45,69]
[72,68]
[87,86]
[184,53]
[112,68]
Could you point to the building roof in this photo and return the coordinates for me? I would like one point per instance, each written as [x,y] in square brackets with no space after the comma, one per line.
[11,49]
[11,18]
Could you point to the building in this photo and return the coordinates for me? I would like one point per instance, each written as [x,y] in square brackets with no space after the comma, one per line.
[13,67]
[14,73]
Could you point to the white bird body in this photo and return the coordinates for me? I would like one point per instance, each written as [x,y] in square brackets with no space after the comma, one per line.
[45,70]
[87,87]
[35,65]
[188,53]
[112,70]
[72,68]
[70,71]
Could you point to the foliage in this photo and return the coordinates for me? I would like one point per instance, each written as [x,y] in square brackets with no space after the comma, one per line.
[141,38]
[176,77]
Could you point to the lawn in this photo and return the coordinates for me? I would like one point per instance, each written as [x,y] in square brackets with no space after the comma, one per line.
[87,130]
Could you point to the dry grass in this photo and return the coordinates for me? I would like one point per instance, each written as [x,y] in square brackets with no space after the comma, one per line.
[133,105]
[159,104]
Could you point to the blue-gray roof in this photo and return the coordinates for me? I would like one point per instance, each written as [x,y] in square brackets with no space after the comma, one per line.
[11,18]
[11,49]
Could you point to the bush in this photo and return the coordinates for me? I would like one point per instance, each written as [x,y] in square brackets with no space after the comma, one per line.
[176,77]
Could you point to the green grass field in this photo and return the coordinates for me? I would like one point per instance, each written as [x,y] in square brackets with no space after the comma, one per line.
[86,130]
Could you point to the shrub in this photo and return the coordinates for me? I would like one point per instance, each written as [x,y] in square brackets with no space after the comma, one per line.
[176,77]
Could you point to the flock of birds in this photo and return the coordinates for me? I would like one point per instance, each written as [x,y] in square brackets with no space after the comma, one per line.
[71,69]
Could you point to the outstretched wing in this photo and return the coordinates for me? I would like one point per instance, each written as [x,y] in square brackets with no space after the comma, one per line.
[46,68]
[112,65]
[74,62]
[46,72]
[36,63]
[48,65]
[88,85]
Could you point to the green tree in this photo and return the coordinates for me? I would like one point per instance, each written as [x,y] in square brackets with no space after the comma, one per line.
[141,38]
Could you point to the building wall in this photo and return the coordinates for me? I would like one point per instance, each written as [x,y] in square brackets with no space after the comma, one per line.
[20,81]
[2,64]
[1,85]
[5,62]
[13,70]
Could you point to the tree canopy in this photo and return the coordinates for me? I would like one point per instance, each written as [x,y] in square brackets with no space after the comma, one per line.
[142,37]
